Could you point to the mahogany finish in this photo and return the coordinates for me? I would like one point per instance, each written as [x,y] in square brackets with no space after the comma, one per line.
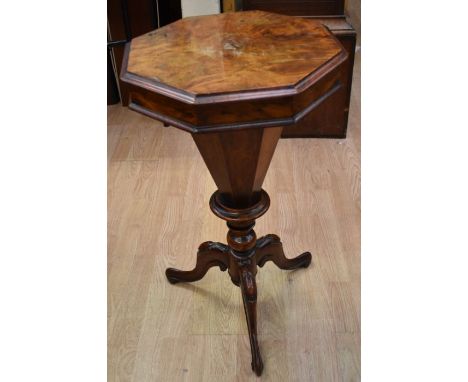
[233,81]
[330,119]
[231,52]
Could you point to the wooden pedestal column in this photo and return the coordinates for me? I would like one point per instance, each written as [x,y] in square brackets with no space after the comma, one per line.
[238,162]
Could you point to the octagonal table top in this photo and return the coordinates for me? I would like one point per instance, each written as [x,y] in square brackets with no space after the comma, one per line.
[230,53]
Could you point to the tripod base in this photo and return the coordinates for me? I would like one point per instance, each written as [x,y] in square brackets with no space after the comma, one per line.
[242,269]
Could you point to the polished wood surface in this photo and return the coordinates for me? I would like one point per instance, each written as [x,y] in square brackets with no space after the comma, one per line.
[232,52]
[238,152]
[308,321]
[239,106]
[238,161]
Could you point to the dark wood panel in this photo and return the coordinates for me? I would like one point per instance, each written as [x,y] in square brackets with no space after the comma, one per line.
[330,120]
[142,18]
[112,89]
[169,11]
[238,114]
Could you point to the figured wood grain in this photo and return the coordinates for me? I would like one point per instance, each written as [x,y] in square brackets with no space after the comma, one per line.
[234,71]
[232,52]
[309,321]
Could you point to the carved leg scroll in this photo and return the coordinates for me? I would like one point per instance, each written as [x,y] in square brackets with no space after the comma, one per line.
[269,247]
[249,297]
[241,256]
[210,254]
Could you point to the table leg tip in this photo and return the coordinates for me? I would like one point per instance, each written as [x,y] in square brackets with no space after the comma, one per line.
[307,259]
[170,278]
[257,364]
[258,369]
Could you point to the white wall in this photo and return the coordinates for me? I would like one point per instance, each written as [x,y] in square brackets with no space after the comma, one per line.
[199,7]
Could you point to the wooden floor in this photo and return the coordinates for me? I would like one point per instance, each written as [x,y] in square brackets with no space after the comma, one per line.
[158,192]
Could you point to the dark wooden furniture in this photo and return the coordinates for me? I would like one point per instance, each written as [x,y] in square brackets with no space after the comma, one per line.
[130,18]
[234,81]
[331,118]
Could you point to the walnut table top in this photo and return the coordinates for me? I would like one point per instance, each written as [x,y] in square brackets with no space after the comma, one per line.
[232,52]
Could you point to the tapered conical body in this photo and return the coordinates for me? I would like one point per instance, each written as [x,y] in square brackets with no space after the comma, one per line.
[238,161]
